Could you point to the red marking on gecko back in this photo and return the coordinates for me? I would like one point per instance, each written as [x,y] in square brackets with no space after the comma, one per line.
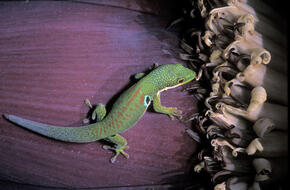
[119,102]
[113,124]
[134,96]
[132,88]
[120,114]
[117,124]
[105,129]
[142,99]
[124,109]
[100,132]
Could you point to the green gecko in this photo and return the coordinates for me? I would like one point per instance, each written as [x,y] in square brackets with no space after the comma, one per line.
[126,111]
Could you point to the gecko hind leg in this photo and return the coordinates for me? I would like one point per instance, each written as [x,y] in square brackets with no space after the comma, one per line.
[120,145]
[98,114]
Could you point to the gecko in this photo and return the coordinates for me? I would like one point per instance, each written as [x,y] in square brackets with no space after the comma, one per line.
[124,114]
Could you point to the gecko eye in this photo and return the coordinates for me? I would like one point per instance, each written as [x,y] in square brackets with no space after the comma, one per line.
[180,81]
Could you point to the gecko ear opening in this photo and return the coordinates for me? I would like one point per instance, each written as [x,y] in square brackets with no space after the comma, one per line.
[147,100]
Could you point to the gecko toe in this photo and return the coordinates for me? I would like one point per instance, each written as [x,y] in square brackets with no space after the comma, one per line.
[117,152]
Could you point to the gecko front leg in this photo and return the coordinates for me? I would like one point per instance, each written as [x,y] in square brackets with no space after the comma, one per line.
[170,111]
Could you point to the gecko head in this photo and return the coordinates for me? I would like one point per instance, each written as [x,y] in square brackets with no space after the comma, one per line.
[177,75]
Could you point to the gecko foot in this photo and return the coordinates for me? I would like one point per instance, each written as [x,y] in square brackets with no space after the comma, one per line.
[174,112]
[88,103]
[117,152]
[86,121]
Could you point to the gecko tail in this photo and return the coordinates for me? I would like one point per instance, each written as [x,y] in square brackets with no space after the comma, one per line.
[68,134]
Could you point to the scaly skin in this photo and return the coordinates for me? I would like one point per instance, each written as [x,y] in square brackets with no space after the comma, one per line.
[126,111]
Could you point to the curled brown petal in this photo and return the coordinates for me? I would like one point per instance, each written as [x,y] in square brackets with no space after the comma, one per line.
[200,124]
[226,69]
[241,135]
[193,135]
[277,113]
[260,75]
[199,39]
[209,102]
[279,170]
[239,165]
[230,101]
[228,14]
[203,67]
[208,38]
[220,186]
[242,45]
[220,174]
[186,47]
[220,120]
[219,142]
[221,41]
[263,169]
[214,131]
[275,144]
[211,165]
[258,97]
[241,61]
[241,182]
[198,167]
[229,134]
[202,154]
[238,91]
[263,126]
